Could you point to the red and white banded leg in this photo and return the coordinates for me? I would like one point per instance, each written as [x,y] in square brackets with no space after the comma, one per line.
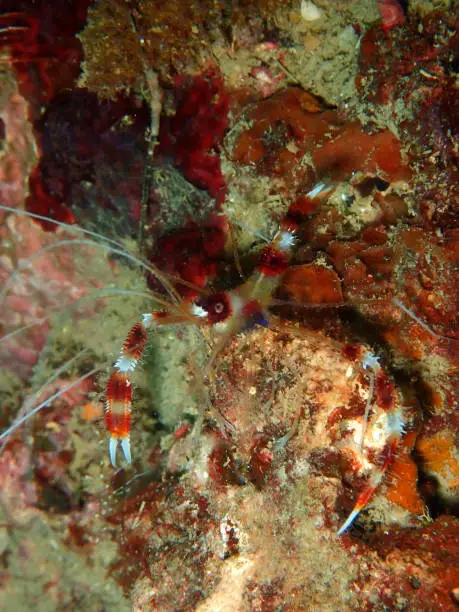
[227,311]
[396,429]
[118,393]
[119,390]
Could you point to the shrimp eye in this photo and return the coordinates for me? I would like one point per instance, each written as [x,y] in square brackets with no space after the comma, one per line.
[217,306]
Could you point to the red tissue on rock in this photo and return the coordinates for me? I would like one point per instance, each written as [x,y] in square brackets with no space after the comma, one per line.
[193,135]
[192,254]
[292,124]
[45,52]
[41,203]
[312,284]
[353,149]
[83,144]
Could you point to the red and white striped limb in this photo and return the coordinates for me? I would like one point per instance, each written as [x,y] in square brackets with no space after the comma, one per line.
[395,424]
[118,393]
[228,312]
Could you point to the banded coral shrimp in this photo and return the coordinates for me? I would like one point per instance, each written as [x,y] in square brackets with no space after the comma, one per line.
[228,312]
[296,400]
[287,459]
[256,450]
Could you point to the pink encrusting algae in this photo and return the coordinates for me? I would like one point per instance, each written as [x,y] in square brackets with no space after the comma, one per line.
[242,274]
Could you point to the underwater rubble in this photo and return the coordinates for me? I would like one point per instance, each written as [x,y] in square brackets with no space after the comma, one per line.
[162,144]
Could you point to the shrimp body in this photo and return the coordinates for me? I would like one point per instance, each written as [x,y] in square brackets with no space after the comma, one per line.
[228,312]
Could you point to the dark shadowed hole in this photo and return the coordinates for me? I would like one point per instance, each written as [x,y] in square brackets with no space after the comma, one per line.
[431,494]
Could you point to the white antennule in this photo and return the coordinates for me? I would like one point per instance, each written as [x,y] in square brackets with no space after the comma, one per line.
[411,314]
